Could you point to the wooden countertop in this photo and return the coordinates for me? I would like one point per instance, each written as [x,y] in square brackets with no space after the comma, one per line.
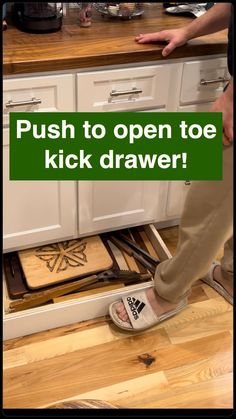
[106,42]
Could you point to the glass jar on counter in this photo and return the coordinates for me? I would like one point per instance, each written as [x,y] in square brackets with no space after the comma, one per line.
[85,14]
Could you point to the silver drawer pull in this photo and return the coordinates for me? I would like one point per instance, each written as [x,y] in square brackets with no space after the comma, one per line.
[33,101]
[204,82]
[126,92]
[187,182]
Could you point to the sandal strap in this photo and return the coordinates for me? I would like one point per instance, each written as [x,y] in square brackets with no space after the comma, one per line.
[139,310]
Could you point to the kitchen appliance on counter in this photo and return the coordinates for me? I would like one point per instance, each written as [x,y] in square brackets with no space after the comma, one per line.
[38,17]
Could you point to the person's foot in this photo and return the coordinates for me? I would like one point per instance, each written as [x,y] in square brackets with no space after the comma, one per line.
[161,306]
[226,283]
[158,304]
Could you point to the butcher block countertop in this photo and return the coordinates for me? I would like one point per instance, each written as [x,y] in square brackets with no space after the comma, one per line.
[106,42]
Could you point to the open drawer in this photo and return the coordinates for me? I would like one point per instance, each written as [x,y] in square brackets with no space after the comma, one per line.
[75,310]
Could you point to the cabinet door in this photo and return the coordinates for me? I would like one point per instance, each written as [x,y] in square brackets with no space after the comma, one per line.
[35,212]
[108,205]
[176,195]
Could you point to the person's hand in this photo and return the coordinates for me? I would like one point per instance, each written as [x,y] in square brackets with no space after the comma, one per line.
[174,37]
[224,104]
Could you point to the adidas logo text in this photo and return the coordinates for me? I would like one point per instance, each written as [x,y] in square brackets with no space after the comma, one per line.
[136,307]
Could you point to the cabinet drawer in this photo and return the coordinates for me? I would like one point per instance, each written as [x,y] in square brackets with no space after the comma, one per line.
[45,93]
[125,89]
[199,81]
[75,310]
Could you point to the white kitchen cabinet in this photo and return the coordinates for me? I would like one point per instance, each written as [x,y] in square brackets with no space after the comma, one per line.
[203,80]
[177,190]
[39,212]
[36,212]
[175,197]
[127,89]
[55,93]
[108,205]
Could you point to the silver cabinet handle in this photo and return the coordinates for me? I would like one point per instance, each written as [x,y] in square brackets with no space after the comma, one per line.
[204,82]
[126,92]
[33,101]
[187,182]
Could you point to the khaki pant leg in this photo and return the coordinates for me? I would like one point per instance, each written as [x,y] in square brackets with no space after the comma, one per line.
[205,226]
[227,260]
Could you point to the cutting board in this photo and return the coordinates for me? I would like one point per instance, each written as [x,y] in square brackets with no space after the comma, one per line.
[57,262]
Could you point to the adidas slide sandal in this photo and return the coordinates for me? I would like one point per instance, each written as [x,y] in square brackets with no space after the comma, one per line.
[140,312]
[209,280]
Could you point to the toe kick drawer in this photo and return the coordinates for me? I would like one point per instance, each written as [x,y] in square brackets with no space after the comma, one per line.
[75,310]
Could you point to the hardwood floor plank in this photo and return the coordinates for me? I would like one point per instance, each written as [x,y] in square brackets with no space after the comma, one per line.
[86,370]
[204,370]
[124,392]
[200,328]
[62,345]
[210,292]
[130,393]
[200,310]
[215,393]
[53,333]
[198,294]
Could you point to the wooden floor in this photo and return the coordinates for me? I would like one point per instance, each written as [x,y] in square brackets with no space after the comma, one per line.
[184,362]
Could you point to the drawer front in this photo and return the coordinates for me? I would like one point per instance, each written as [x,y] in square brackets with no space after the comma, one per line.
[45,93]
[200,80]
[125,89]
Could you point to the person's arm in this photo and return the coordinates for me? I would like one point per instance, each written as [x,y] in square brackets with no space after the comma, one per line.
[214,20]
[224,104]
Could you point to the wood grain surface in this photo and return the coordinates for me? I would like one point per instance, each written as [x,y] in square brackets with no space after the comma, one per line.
[57,262]
[185,362]
[106,42]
